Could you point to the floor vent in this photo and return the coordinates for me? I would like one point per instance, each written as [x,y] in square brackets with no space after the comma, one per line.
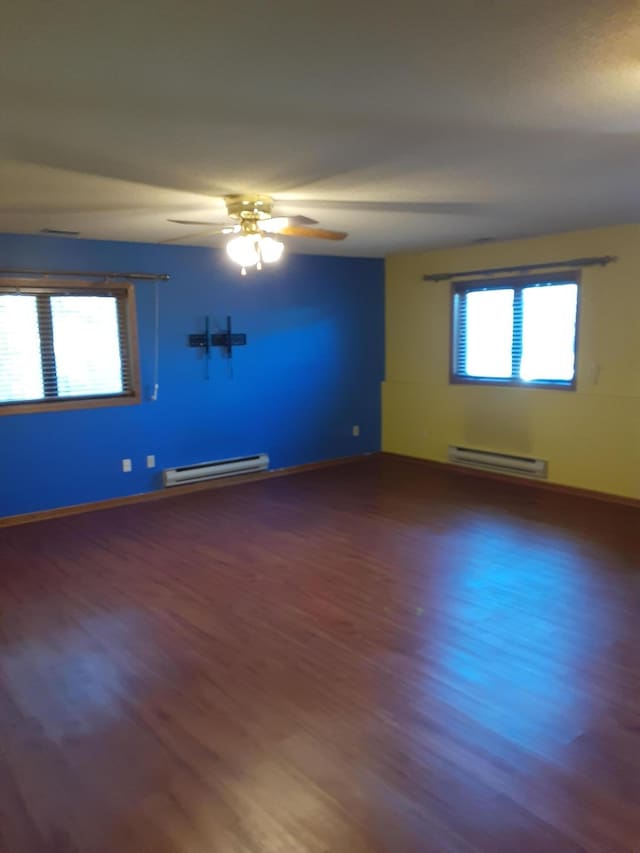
[502,463]
[213,470]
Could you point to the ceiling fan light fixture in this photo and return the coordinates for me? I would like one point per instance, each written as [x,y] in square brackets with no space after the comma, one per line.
[252,250]
[271,250]
[244,250]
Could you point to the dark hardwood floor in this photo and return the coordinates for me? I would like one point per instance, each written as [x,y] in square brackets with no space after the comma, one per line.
[371,657]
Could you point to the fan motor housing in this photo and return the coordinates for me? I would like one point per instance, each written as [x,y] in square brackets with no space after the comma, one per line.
[253,207]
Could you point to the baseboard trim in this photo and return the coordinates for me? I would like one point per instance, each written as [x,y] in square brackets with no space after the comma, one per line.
[543,485]
[175,491]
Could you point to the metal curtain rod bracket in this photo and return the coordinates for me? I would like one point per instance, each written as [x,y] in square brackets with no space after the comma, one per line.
[133,276]
[524,268]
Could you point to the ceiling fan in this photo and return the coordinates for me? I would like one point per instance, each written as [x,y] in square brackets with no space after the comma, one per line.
[252,225]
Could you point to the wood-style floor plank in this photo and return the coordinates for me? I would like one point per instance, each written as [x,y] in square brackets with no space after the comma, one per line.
[372,657]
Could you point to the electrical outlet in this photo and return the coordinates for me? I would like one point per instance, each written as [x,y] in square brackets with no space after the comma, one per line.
[151,461]
[355,431]
[127,467]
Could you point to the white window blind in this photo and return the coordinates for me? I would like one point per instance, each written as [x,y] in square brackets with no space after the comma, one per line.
[488,331]
[87,324]
[60,344]
[549,333]
[20,364]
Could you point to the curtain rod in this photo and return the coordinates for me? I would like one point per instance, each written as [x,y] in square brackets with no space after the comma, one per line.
[134,276]
[575,262]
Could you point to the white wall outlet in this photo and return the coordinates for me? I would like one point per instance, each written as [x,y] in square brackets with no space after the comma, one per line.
[355,431]
[127,467]
[151,461]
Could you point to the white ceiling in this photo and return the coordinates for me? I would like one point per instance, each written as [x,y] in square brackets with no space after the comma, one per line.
[408,124]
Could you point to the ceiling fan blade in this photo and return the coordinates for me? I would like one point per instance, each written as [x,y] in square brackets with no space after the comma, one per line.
[226,229]
[277,223]
[197,222]
[182,238]
[314,233]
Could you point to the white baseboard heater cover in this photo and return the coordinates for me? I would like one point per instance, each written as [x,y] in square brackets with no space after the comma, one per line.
[213,470]
[502,463]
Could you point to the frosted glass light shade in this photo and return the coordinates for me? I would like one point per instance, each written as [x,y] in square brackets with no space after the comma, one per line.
[243,250]
[271,250]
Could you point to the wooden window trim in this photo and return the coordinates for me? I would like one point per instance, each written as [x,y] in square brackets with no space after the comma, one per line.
[457,287]
[133,397]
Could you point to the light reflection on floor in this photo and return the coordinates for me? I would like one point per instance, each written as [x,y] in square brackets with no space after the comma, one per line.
[497,611]
[68,683]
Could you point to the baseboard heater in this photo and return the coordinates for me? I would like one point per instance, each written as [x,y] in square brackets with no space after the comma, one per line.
[213,470]
[502,463]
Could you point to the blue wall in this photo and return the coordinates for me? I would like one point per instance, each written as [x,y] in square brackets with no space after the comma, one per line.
[311,370]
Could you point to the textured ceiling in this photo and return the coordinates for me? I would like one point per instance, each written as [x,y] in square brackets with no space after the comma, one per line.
[409,125]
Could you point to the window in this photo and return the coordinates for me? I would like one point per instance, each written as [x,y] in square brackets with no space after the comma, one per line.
[515,332]
[66,346]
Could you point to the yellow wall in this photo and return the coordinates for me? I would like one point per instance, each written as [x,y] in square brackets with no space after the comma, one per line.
[591,436]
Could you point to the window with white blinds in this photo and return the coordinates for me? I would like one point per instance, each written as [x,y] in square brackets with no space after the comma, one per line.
[63,344]
[515,332]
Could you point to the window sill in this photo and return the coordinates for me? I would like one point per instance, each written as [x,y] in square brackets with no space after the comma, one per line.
[32,408]
[510,383]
